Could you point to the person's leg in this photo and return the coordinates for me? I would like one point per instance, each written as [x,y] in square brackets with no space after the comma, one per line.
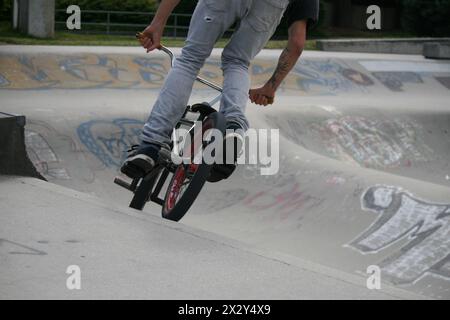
[210,20]
[255,29]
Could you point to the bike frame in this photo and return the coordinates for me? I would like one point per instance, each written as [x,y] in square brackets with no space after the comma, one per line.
[162,170]
[210,84]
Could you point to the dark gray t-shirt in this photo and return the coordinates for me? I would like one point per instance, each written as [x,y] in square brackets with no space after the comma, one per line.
[302,10]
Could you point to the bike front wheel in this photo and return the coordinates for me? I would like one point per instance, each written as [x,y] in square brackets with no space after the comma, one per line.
[189,179]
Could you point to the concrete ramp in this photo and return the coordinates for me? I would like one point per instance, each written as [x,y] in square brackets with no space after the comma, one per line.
[364,171]
[122,254]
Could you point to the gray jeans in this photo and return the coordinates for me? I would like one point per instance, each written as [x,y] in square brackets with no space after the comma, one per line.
[257,21]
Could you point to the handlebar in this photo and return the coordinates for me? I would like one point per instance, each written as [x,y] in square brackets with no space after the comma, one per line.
[169,53]
[172,63]
[199,79]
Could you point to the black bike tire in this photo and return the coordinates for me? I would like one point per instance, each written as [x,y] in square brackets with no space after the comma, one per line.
[196,184]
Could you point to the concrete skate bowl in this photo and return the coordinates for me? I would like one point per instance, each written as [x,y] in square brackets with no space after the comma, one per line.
[335,204]
[415,144]
[364,175]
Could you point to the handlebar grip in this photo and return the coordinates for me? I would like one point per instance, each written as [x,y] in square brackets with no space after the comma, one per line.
[139,35]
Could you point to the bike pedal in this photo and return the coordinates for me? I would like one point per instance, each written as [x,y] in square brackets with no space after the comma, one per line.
[124,184]
[132,171]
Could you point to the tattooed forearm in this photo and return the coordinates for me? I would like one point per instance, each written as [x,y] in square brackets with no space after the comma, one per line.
[286,62]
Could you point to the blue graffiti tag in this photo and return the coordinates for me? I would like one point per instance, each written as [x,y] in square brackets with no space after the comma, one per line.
[109,140]
[151,69]
[3,81]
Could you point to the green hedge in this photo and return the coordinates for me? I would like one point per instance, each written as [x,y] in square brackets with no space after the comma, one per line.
[419,17]
[141,6]
[111,5]
[426,17]
[381,3]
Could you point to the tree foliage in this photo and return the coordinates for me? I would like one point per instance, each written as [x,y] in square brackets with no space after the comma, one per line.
[112,5]
[5,10]
[426,17]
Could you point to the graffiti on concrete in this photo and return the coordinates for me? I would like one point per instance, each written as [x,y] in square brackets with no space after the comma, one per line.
[424,226]
[22,70]
[87,71]
[312,77]
[258,69]
[110,140]
[151,70]
[395,81]
[335,181]
[283,195]
[357,77]
[372,142]
[4,82]
[95,71]
[327,77]
[286,197]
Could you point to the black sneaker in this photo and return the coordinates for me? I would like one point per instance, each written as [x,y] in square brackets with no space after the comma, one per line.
[141,160]
[232,142]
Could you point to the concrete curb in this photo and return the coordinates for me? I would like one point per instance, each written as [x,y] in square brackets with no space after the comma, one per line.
[393,46]
[437,50]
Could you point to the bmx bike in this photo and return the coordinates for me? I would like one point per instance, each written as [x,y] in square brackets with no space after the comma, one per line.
[186,179]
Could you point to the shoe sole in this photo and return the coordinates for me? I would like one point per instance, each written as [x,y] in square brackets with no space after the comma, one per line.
[220,172]
[138,166]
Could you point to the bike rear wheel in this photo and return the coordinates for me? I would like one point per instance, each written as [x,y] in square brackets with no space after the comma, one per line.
[189,179]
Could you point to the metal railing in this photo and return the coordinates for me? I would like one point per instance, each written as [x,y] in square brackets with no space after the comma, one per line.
[105,22]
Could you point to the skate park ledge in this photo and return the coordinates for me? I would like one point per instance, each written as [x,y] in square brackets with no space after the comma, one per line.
[13,155]
[429,47]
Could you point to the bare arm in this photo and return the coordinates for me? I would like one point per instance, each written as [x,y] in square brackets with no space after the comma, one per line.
[164,11]
[150,38]
[286,62]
